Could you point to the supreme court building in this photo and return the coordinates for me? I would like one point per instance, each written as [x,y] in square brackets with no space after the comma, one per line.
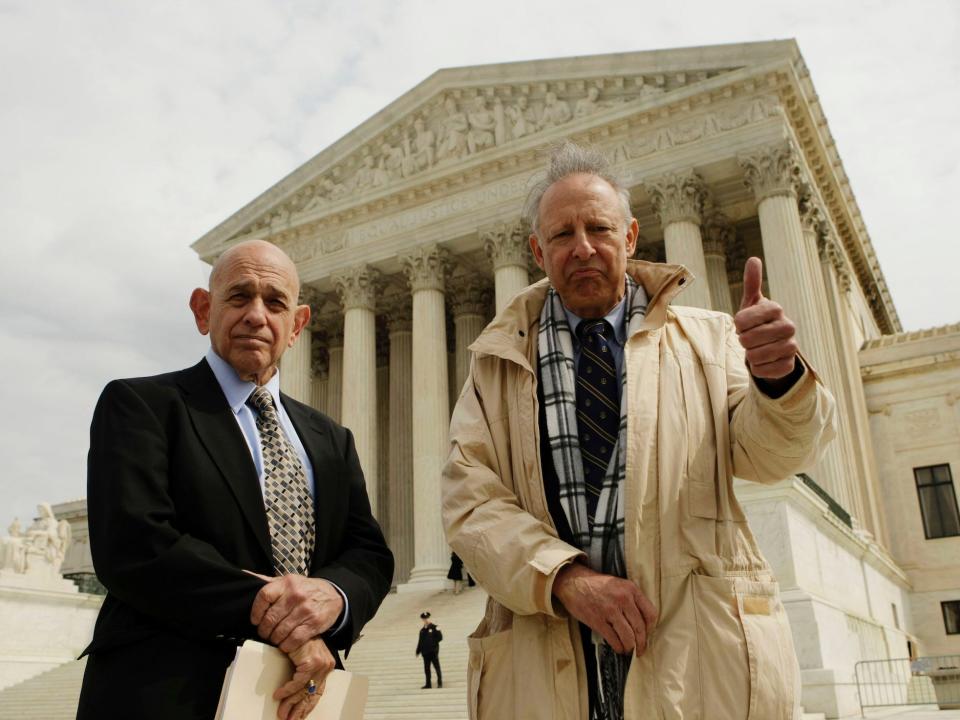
[407,237]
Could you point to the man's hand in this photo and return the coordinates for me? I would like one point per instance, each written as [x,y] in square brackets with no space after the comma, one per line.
[765,332]
[290,610]
[312,661]
[612,606]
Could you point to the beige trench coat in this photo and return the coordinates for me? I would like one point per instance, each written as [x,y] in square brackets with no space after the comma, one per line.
[722,648]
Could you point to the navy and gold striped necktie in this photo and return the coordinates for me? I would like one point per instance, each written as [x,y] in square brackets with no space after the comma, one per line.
[598,405]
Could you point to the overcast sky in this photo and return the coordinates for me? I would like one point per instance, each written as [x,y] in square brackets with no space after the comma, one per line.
[128,129]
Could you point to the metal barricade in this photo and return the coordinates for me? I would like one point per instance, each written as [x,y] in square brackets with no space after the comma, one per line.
[933,680]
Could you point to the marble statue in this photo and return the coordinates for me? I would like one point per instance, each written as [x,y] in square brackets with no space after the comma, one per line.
[523,119]
[555,111]
[483,125]
[453,138]
[586,106]
[424,141]
[38,551]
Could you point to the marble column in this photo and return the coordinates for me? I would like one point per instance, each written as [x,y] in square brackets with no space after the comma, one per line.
[508,247]
[678,201]
[426,269]
[736,259]
[851,403]
[826,353]
[335,371]
[718,234]
[383,433]
[295,364]
[468,299]
[357,288]
[774,174]
[320,368]
[400,463]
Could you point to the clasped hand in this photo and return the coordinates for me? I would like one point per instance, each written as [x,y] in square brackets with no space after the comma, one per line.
[612,606]
[291,612]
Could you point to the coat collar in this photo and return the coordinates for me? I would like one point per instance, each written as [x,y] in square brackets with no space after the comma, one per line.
[509,334]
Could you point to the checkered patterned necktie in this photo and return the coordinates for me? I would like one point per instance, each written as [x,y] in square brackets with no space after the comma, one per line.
[285,494]
[598,406]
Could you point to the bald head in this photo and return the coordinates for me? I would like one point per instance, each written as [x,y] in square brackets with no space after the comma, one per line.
[250,310]
[256,251]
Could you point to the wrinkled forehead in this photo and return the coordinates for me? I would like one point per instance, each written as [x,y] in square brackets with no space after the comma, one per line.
[255,271]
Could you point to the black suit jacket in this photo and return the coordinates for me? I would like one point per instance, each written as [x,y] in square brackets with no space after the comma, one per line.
[176,514]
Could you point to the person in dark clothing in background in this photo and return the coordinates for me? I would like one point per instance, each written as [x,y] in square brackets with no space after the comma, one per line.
[456,574]
[429,648]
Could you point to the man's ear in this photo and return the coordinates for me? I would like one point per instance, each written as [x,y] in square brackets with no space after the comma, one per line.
[200,305]
[633,232]
[301,316]
[537,251]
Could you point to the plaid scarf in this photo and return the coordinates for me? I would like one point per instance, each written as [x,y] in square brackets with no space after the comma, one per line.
[603,541]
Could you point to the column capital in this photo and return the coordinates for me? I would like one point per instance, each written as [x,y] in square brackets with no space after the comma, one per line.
[469,293]
[357,287]
[772,170]
[319,357]
[311,296]
[677,196]
[397,307]
[426,267]
[812,215]
[736,259]
[831,253]
[718,233]
[651,252]
[506,244]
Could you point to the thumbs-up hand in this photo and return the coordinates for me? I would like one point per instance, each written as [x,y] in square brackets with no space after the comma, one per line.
[768,336]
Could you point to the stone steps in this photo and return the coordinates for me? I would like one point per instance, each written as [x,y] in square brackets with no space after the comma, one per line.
[384,654]
[52,695]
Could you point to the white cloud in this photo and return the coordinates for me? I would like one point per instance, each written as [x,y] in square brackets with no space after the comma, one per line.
[130,129]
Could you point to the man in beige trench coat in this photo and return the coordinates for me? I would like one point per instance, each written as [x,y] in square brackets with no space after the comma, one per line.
[589,487]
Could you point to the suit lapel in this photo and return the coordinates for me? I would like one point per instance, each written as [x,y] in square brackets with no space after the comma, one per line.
[220,435]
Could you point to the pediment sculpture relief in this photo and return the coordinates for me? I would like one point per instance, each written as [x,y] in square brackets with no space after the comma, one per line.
[459,124]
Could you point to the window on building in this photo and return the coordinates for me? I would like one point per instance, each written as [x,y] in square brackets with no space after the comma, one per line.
[951,616]
[938,501]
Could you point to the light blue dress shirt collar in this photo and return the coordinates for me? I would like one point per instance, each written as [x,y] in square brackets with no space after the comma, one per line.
[236,390]
[617,319]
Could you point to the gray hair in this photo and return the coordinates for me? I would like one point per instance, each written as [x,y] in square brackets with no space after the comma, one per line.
[567,159]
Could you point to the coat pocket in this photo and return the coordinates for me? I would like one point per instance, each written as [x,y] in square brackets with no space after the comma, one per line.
[490,676]
[747,661]
[774,671]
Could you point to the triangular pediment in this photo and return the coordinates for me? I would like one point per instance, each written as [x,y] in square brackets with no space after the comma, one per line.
[460,115]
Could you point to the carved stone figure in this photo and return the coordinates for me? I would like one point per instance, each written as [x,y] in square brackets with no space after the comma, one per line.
[40,550]
[586,106]
[482,126]
[12,551]
[392,161]
[424,141]
[523,119]
[364,178]
[453,137]
[555,111]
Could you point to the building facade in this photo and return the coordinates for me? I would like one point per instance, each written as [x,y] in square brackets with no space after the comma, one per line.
[408,238]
